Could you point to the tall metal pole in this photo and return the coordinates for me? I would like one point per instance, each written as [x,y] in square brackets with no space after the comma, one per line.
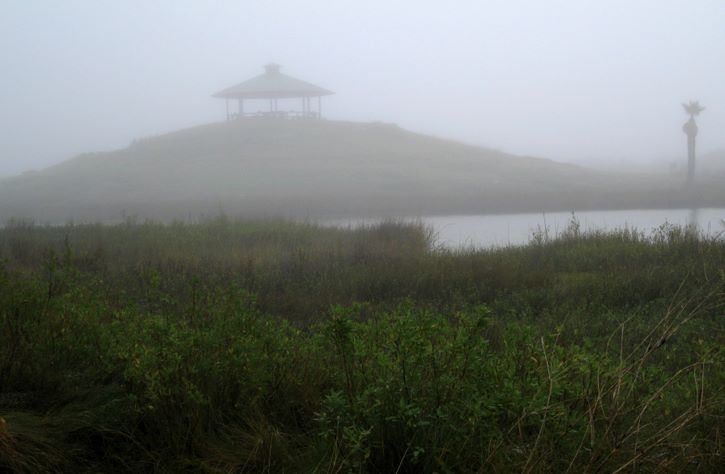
[690,129]
[693,109]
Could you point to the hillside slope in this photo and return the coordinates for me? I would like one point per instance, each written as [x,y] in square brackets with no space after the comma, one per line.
[309,168]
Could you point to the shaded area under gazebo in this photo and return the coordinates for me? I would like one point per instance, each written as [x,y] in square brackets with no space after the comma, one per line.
[273,86]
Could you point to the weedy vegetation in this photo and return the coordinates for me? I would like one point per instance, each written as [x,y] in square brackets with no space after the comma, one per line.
[269,346]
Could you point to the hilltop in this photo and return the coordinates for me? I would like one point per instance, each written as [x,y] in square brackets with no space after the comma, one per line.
[315,168]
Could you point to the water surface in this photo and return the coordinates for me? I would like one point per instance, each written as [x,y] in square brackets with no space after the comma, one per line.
[461,231]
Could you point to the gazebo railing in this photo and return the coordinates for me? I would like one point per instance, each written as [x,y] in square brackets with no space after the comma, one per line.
[283,114]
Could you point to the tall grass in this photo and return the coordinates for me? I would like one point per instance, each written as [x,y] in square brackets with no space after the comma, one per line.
[270,346]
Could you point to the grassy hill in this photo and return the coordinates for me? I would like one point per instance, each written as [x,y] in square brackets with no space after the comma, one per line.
[315,168]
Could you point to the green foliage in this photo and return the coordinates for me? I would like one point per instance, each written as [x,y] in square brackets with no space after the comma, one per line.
[277,347]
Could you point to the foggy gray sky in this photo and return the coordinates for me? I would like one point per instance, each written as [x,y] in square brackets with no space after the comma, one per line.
[590,82]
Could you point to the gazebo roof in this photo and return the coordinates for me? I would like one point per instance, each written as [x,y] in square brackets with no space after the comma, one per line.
[272,85]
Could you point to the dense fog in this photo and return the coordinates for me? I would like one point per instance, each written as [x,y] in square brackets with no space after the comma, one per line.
[589,82]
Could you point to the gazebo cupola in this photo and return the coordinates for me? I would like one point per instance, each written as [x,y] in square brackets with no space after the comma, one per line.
[272,87]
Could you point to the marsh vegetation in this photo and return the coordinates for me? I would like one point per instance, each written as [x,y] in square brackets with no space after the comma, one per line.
[269,346]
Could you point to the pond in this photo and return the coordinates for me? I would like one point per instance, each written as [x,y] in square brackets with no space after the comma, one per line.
[462,231]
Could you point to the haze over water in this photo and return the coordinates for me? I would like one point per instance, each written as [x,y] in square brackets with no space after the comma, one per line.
[466,231]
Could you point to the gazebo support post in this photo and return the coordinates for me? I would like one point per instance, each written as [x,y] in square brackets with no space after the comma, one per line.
[241,107]
[319,107]
[226,103]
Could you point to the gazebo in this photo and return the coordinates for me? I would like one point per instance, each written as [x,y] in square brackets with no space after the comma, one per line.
[273,86]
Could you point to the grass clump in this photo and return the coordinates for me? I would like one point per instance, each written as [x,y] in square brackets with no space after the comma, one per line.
[230,346]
